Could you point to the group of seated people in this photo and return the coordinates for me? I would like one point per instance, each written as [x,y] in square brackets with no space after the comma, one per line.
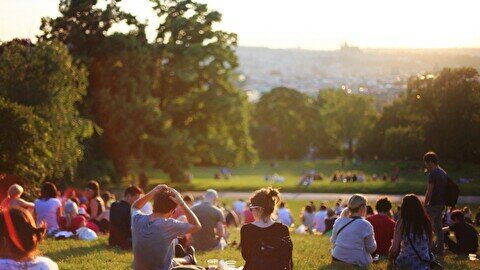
[167,234]
[360,177]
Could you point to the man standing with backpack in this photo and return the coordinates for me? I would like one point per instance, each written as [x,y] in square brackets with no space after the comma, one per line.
[435,198]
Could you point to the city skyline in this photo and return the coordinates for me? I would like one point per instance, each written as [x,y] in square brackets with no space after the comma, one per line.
[301,24]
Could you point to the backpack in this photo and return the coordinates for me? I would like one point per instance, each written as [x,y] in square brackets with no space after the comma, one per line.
[451,192]
[272,253]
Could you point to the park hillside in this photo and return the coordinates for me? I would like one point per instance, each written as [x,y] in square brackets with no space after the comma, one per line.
[84,102]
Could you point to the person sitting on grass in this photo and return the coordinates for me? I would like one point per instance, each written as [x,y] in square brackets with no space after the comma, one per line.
[72,221]
[319,219]
[284,215]
[13,199]
[212,219]
[48,208]
[265,244]
[329,221]
[465,234]
[95,205]
[19,239]
[413,236]
[353,237]
[308,217]
[120,221]
[383,226]
[153,236]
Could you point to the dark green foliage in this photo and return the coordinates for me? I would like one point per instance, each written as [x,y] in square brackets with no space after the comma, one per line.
[346,118]
[44,79]
[24,142]
[439,112]
[206,117]
[283,123]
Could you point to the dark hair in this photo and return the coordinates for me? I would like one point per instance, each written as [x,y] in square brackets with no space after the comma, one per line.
[383,205]
[458,215]
[29,235]
[330,212]
[162,203]
[370,210]
[188,198]
[308,209]
[281,205]
[49,190]
[106,196]
[267,198]
[132,190]
[414,217]
[95,187]
[323,207]
[430,157]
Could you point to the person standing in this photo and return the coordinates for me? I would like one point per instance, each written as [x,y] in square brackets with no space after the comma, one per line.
[435,198]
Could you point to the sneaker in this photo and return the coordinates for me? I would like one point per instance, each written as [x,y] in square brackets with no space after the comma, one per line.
[191,252]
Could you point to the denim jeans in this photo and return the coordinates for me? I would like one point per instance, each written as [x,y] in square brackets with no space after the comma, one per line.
[435,213]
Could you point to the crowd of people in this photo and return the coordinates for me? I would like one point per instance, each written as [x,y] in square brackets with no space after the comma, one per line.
[167,233]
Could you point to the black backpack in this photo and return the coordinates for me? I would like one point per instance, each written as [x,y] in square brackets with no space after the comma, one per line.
[272,253]
[451,193]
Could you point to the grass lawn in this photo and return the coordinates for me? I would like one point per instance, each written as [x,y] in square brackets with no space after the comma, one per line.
[310,252]
[248,178]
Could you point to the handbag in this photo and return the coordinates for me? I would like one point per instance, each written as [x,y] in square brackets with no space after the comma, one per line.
[434,264]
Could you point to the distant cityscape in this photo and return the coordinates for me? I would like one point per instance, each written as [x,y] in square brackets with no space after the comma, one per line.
[382,72]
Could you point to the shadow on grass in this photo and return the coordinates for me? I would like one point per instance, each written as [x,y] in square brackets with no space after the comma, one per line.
[81,251]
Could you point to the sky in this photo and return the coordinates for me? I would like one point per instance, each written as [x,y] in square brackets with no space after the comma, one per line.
[306,24]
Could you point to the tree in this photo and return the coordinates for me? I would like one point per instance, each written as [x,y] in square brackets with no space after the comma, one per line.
[206,118]
[83,25]
[24,143]
[46,80]
[123,106]
[283,123]
[347,117]
[449,107]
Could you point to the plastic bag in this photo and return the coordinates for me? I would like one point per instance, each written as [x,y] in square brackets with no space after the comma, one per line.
[85,233]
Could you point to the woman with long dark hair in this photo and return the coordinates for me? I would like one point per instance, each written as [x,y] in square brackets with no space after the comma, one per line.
[413,236]
[96,205]
[48,208]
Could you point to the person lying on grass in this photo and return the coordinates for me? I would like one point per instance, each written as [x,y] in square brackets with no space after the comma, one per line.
[154,235]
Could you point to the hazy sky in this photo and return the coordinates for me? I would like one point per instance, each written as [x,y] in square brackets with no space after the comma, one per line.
[309,24]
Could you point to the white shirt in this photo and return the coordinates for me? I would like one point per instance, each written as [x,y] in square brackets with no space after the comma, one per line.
[319,220]
[284,216]
[39,263]
[147,209]
[355,243]
[47,211]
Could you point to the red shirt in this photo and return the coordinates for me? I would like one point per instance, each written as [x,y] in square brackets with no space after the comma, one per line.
[248,216]
[74,225]
[383,228]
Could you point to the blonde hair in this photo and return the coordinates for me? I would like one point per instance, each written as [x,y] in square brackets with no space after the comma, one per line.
[15,190]
[354,204]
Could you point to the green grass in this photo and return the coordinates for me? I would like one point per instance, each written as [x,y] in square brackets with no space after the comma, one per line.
[310,251]
[248,178]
